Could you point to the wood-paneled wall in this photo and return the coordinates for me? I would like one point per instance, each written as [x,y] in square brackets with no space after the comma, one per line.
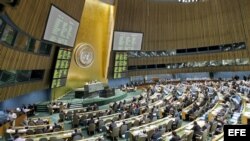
[187,70]
[188,58]
[176,25]
[12,59]
[172,25]
[30,16]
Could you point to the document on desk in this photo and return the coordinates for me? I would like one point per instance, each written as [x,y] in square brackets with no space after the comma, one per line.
[189,127]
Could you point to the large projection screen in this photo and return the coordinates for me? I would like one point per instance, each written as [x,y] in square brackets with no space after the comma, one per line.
[127,41]
[60,28]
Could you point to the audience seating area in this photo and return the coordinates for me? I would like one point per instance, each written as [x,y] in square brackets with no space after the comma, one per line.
[162,112]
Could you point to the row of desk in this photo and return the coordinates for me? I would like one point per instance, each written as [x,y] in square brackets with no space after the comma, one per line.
[136,131]
[19,121]
[59,135]
[24,129]
[186,129]
[214,111]
[245,113]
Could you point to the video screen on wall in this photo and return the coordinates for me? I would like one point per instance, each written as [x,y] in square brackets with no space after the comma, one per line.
[61,67]
[120,66]
[60,28]
[127,41]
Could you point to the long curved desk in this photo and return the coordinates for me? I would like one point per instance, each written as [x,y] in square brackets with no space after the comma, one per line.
[219,137]
[135,131]
[59,135]
[245,113]
[186,129]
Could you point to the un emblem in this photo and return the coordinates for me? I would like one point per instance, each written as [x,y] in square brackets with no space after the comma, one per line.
[84,56]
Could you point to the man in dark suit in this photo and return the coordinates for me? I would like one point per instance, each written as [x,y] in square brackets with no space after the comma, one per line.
[156,135]
[207,126]
[176,121]
[76,133]
[112,125]
[57,126]
[197,130]
[89,108]
[175,137]
[91,120]
[140,98]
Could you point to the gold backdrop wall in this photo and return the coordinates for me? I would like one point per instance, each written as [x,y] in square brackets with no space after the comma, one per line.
[96,28]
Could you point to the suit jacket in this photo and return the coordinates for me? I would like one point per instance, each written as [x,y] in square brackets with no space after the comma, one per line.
[175,138]
[197,129]
[156,135]
[91,121]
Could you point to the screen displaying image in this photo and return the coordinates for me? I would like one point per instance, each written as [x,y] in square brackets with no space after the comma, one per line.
[58,64]
[243,61]
[127,41]
[8,35]
[61,67]
[61,28]
[120,64]
[60,54]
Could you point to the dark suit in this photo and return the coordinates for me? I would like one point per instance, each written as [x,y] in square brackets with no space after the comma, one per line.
[175,138]
[156,135]
[197,129]
[75,134]
[91,121]
[57,126]
[112,126]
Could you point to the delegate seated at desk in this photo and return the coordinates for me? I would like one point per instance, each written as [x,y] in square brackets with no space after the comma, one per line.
[111,127]
[197,130]
[76,133]
[193,110]
[57,126]
[175,137]
[91,121]
[18,138]
[39,122]
[207,125]
[221,122]
[143,134]
[156,135]
[176,121]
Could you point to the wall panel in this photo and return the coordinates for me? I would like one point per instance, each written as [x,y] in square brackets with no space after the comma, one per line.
[30,17]
[169,26]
